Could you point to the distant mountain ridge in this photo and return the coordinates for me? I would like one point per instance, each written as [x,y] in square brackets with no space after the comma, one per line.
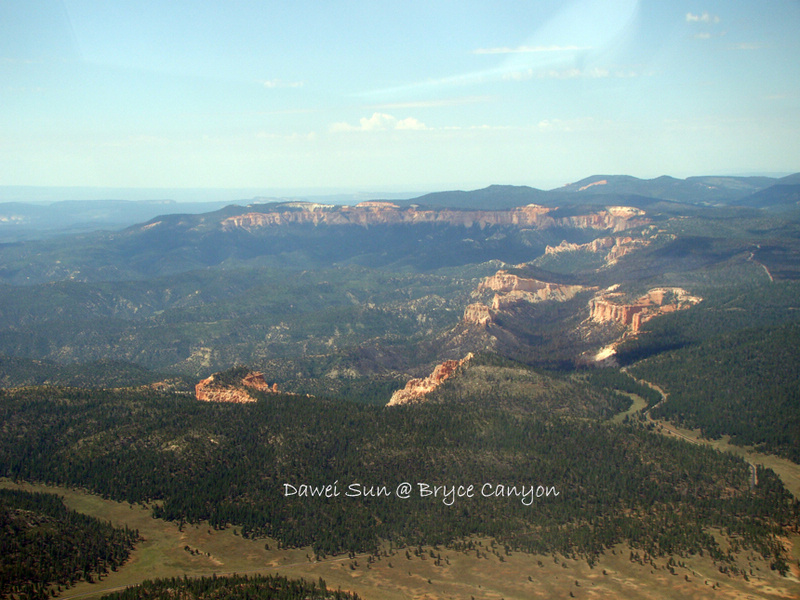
[31,220]
[692,190]
[596,189]
[782,195]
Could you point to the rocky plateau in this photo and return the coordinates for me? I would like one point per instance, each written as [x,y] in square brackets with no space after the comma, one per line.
[614,218]
[613,247]
[609,306]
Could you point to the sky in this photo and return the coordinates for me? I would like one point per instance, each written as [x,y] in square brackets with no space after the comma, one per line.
[390,96]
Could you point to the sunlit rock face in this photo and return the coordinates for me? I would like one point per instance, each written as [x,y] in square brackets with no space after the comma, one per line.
[606,307]
[416,389]
[478,314]
[211,390]
[386,213]
[613,247]
[531,290]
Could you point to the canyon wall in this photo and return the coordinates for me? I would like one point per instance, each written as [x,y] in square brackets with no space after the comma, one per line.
[608,307]
[386,213]
[533,290]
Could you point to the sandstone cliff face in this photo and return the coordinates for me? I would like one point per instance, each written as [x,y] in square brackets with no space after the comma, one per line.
[417,389]
[606,307]
[614,247]
[477,314]
[210,390]
[531,290]
[511,289]
[386,213]
[615,218]
[598,245]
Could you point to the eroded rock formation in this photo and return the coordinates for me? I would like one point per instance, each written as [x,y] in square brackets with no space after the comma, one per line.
[533,290]
[417,389]
[614,218]
[511,289]
[613,247]
[478,314]
[212,390]
[609,307]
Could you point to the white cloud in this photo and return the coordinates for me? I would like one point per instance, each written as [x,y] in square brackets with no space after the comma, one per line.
[380,122]
[704,18]
[528,49]
[279,83]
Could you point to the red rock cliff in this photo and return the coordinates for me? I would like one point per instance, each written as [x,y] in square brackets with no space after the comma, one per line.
[417,389]
[607,308]
[210,390]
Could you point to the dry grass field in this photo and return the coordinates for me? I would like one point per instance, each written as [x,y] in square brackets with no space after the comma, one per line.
[195,550]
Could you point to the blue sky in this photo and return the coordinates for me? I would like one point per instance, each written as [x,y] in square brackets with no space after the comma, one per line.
[393,95]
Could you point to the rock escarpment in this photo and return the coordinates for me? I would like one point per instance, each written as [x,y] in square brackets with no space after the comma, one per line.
[416,389]
[212,390]
[608,306]
[613,247]
[512,288]
[478,314]
[613,218]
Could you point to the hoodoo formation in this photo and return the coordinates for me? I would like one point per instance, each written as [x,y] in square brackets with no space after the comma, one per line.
[478,314]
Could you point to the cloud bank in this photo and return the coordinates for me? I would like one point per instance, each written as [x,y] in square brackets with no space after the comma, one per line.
[380,122]
[704,18]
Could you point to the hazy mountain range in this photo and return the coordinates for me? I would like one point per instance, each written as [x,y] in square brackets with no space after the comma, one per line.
[21,219]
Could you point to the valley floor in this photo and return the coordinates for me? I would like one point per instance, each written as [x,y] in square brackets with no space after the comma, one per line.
[489,573]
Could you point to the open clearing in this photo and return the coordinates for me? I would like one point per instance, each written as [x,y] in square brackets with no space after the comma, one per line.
[788,471]
[200,550]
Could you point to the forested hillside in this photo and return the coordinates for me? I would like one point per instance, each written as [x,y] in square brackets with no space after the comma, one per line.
[744,384]
[44,545]
[229,464]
